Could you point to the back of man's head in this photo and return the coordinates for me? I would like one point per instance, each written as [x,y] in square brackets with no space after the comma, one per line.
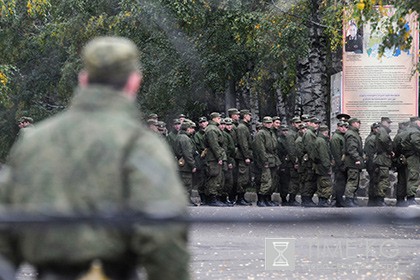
[110,60]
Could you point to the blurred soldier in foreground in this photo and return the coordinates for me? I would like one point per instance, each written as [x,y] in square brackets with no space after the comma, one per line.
[95,158]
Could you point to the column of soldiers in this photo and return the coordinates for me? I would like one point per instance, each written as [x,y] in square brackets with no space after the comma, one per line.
[225,158]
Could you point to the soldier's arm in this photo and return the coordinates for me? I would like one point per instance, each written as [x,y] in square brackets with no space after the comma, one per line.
[187,152]
[213,141]
[243,144]
[352,149]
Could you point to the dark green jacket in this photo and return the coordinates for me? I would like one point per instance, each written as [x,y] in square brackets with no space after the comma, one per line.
[199,140]
[370,151]
[185,149]
[322,155]
[171,138]
[337,150]
[266,149]
[214,143]
[244,143]
[383,145]
[96,157]
[354,148]
[229,147]
[308,141]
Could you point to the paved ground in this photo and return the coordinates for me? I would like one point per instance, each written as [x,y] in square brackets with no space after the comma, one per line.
[332,250]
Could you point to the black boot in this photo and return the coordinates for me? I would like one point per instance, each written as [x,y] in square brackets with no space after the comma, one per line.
[411,200]
[203,199]
[261,201]
[371,201]
[225,200]
[308,202]
[292,200]
[380,202]
[269,202]
[323,202]
[214,201]
[401,202]
[241,200]
[349,202]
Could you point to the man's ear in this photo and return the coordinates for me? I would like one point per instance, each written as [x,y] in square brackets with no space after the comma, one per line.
[133,84]
[83,79]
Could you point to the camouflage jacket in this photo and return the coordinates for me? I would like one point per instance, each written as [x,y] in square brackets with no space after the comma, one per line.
[185,149]
[383,145]
[229,146]
[171,138]
[96,157]
[370,151]
[353,148]
[337,150]
[244,141]
[199,140]
[266,149]
[214,143]
[322,155]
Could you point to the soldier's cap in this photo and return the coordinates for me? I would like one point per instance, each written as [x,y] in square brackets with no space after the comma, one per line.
[386,119]
[202,119]
[413,119]
[343,123]
[306,117]
[245,112]
[296,119]
[214,115]
[233,111]
[343,117]
[258,125]
[276,118]
[375,125]
[181,116]
[26,119]
[267,120]
[284,127]
[110,58]
[176,121]
[152,122]
[152,116]
[186,125]
[323,127]
[193,125]
[302,126]
[222,121]
[353,120]
[228,121]
[161,124]
[314,120]
[403,124]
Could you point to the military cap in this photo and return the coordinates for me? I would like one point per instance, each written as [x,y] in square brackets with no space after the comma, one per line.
[233,111]
[152,122]
[26,119]
[323,127]
[413,119]
[296,119]
[302,126]
[193,125]
[267,120]
[222,121]
[228,121]
[284,127]
[375,125]
[245,112]
[386,119]
[110,59]
[214,115]
[161,124]
[353,120]
[181,116]
[306,117]
[152,116]
[258,125]
[202,119]
[343,123]
[314,120]
[276,118]
[176,121]
[186,125]
[343,117]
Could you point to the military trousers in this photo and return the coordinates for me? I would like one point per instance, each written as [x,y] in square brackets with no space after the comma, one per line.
[372,182]
[413,174]
[309,185]
[244,176]
[352,183]
[268,175]
[324,186]
[294,184]
[401,190]
[340,179]
[382,183]
[198,180]
[214,178]
[186,178]
[228,184]
[283,181]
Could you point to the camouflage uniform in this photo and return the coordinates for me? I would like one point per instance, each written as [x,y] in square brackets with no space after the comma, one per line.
[322,160]
[184,149]
[95,158]
[401,165]
[283,152]
[244,151]
[309,182]
[353,153]
[199,176]
[215,153]
[370,151]
[337,152]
